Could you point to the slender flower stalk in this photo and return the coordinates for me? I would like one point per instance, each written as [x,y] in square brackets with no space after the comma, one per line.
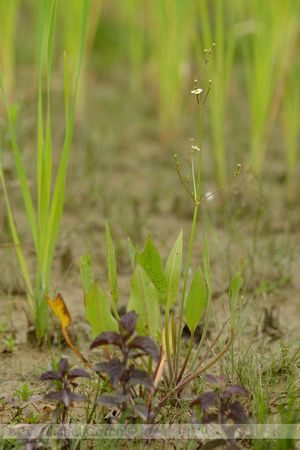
[197,198]
[197,91]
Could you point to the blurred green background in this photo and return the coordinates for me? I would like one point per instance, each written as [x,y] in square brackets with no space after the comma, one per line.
[154,50]
[135,109]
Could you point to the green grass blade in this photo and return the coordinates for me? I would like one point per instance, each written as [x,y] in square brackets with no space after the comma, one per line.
[18,248]
[67,88]
[59,189]
[219,70]
[9,13]
[46,157]
[85,12]
[112,269]
[40,127]
[58,198]
[21,173]
[44,168]
[50,39]
[236,284]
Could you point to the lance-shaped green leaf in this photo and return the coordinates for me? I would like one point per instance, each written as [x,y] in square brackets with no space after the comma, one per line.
[206,265]
[151,262]
[236,284]
[195,301]
[86,274]
[133,252]
[143,300]
[112,269]
[172,272]
[97,311]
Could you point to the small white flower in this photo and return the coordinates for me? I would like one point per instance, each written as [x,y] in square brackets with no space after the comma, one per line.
[195,147]
[196,91]
[209,195]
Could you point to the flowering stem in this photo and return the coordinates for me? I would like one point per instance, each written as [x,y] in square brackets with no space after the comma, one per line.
[197,196]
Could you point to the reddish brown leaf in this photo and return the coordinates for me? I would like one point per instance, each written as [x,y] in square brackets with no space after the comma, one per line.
[107,338]
[145,344]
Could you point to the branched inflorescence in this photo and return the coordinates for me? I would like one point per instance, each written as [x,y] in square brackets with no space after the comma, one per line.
[193,191]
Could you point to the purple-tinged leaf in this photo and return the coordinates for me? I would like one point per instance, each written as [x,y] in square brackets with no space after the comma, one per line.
[237,413]
[145,344]
[116,370]
[50,375]
[107,400]
[151,418]
[214,381]
[66,397]
[123,397]
[63,366]
[34,398]
[206,400]
[142,411]
[222,383]
[217,443]
[107,338]
[133,354]
[55,414]
[234,389]
[78,398]
[140,377]
[9,399]
[74,373]
[194,418]
[110,400]
[128,322]
[52,396]
[101,367]
[210,418]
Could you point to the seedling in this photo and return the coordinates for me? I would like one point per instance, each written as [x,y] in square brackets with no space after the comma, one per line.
[18,406]
[3,325]
[11,343]
[64,378]
[124,372]
[25,393]
[223,412]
